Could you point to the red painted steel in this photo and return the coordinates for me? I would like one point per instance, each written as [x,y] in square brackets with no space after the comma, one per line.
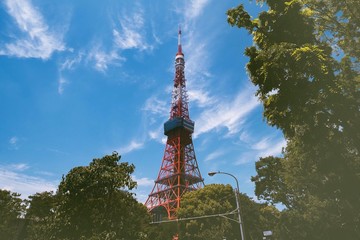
[179,171]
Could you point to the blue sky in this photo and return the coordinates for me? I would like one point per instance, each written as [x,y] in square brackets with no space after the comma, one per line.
[81,79]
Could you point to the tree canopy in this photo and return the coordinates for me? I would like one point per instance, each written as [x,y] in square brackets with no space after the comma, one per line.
[40,216]
[305,63]
[220,199]
[92,202]
[95,202]
[11,209]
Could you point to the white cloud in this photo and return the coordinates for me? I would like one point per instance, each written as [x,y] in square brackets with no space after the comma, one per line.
[262,144]
[156,106]
[19,167]
[155,111]
[194,8]
[155,134]
[70,63]
[104,59]
[247,157]
[143,182]
[197,60]
[229,114]
[22,183]
[214,155]
[37,40]
[14,143]
[130,35]
[128,38]
[245,137]
[264,148]
[13,140]
[200,97]
[132,146]
[61,84]
[45,173]
[274,149]
[158,134]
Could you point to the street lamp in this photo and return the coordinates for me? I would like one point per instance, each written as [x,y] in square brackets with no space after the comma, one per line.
[236,197]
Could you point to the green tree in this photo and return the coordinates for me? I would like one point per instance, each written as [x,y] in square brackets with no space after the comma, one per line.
[313,96]
[11,211]
[270,183]
[219,199]
[40,216]
[161,231]
[94,202]
[338,23]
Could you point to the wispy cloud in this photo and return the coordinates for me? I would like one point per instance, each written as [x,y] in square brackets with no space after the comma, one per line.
[154,105]
[129,35]
[197,61]
[214,155]
[158,134]
[132,146]
[262,144]
[37,40]
[56,151]
[143,182]
[131,32]
[71,62]
[61,84]
[227,114]
[19,167]
[155,111]
[201,97]
[245,137]
[26,185]
[267,146]
[103,59]
[191,9]
[194,8]
[13,141]
[273,149]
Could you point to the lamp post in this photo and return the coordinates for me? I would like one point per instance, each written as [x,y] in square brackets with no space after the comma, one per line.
[236,197]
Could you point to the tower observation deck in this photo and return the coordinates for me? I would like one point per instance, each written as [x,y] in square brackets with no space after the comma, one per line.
[179,172]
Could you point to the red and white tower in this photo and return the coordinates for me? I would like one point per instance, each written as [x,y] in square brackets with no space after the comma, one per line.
[179,172]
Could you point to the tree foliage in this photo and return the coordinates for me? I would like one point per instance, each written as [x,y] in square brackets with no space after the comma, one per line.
[219,199]
[95,202]
[270,182]
[338,24]
[11,209]
[92,202]
[305,65]
[40,216]
[212,199]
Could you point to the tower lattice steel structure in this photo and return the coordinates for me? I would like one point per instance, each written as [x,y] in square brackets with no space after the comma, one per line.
[179,172]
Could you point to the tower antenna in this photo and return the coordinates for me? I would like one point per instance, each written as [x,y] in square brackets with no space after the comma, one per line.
[179,41]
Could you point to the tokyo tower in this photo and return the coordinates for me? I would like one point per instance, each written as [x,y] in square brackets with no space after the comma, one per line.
[179,172]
